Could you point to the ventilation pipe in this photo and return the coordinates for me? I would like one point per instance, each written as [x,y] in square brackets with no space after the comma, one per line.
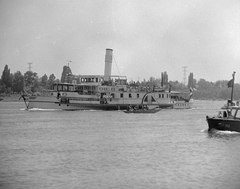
[108,64]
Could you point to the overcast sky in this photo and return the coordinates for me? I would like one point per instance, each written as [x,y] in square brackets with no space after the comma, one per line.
[147,37]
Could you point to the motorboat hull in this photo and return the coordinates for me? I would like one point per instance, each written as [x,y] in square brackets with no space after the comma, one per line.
[223,124]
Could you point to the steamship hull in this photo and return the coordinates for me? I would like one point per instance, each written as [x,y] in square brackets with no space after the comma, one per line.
[84,106]
[68,104]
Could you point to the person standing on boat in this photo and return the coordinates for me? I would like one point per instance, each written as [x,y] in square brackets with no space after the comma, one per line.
[136,107]
[230,103]
[58,95]
[129,107]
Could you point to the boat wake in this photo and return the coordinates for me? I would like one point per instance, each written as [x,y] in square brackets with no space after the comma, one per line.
[218,133]
[193,108]
[40,109]
[204,131]
[225,132]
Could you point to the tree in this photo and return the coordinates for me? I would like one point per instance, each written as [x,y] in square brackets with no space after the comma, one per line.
[204,85]
[51,80]
[31,81]
[164,79]
[176,86]
[44,80]
[18,82]
[66,74]
[6,78]
[191,82]
[29,77]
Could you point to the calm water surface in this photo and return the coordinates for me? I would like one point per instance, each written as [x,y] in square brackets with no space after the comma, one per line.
[111,149]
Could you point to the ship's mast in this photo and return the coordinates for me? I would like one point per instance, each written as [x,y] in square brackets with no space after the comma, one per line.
[232,86]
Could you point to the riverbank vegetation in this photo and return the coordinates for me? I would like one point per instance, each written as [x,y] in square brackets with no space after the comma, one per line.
[32,83]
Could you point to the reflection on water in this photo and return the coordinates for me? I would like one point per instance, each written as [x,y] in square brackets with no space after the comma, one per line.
[111,149]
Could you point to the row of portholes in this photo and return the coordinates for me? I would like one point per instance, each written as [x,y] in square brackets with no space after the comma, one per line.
[181,104]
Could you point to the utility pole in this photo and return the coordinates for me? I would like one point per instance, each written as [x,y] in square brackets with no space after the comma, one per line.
[184,74]
[30,65]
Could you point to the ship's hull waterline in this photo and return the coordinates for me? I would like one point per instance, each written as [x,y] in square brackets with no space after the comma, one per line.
[54,103]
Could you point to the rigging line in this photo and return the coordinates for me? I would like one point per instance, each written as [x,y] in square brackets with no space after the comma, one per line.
[117,66]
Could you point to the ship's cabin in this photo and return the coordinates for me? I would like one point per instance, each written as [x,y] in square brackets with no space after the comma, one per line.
[232,112]
[80,88]
[101,80]
[90,79]
[179,96]
[90,84]
[223,114]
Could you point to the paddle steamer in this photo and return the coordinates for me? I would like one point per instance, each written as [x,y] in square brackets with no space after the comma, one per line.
[99,92]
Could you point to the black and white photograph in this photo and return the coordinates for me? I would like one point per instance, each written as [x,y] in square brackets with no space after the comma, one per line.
[121,94]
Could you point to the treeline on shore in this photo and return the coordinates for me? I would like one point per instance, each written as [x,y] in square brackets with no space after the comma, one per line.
[30,82]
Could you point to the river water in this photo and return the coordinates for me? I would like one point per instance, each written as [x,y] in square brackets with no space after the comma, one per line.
[111,149]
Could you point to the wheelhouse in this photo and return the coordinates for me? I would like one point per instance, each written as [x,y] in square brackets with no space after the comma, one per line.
[232,112]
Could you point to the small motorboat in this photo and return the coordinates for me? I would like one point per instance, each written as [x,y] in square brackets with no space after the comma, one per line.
[228,118]
[143,108]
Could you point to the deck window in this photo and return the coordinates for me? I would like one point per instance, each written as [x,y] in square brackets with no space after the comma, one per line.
[237,113]
[121,95]
[64,87]
[137,95]
[71,88]
[130,95]
[55,87]
[59,87]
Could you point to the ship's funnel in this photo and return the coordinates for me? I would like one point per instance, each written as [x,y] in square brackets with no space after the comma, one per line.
[108,64]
